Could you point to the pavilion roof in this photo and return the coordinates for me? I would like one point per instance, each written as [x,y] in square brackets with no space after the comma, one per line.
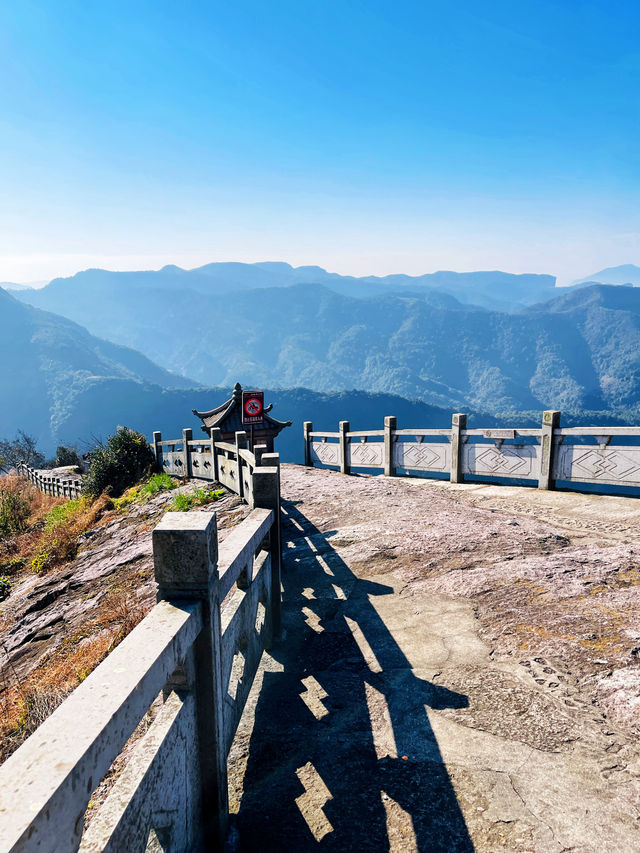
[228,415]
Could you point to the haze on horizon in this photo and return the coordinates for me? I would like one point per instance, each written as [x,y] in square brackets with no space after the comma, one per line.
[359,137]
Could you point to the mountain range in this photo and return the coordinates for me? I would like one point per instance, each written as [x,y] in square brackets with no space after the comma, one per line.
[50,362]
[577,350]
[498,290]
[64,386]
[417,353]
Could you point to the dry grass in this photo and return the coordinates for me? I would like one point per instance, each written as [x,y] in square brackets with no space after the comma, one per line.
[58,542]
[25,704]
[54,525]
[21,546]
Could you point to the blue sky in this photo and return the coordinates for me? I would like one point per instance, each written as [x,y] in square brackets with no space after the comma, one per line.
[367,137]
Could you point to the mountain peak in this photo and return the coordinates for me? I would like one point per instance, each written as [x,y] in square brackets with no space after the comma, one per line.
[622,274]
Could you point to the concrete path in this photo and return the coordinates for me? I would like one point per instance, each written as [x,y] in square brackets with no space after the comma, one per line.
[437,687]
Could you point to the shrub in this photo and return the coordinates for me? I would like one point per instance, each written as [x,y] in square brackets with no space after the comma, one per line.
[145,491]
[5,588]
[158,483]
[15,510]
[41,562]
[61,514]
[124,459]
[67,456]
[186,501]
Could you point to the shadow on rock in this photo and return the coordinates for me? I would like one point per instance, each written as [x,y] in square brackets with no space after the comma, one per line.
[342,755]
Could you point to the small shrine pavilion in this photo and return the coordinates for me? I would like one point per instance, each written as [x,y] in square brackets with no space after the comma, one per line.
[228,419]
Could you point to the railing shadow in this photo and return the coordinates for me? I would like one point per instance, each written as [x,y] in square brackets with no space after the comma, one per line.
[342,756]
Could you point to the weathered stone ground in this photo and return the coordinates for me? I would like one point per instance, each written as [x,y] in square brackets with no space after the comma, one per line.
[459,671]
[80,609]
[45,610]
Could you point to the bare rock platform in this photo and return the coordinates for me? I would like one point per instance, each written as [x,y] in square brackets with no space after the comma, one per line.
[459,670]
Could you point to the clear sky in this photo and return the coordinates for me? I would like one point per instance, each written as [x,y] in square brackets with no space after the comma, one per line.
[367,137]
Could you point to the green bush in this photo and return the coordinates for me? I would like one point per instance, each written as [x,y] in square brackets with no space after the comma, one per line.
[5,588]
[15,510]
[144,491]
[67,456]
[61,514]
[41,562]
[158,483]
[12,566]
[186,501]
[117,466]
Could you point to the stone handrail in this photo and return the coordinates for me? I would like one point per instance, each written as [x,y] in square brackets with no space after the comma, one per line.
[174,786]
[56,485]
[543,456]
[212,459]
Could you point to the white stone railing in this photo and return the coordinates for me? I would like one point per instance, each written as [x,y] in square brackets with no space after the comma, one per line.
[603,456]
[201,657]
[56,485]
[212,459]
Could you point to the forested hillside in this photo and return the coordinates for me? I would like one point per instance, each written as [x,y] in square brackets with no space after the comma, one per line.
[576,351]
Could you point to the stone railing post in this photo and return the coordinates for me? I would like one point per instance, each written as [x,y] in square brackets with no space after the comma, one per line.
[185,556]
[216,435]
[550,421]
[266,495]
[187,436]
[458,423]
[242,443]
[157,448]
[307,428]
[343,428]
[259,451]
[390,425]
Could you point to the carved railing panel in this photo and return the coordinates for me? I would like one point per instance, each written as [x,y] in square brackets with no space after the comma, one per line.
[325,452]
[417,456]
[597,464]
[519,461]
[365,454]
[173,462]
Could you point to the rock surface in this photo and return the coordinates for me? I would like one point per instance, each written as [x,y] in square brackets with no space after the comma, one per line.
[459,671]
[44,611]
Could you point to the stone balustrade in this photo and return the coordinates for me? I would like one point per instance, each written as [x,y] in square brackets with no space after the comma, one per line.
[599,456]
[58,485]
[200,658]
[212,459]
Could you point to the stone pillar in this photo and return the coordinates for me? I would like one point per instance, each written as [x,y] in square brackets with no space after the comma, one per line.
[259,451]
[187,436]
[458,423]
[216,435]
[307,428]
[390,425]
[550,421]
[344,427]
[157,449]
[266,495]
[185,556]
[242,443]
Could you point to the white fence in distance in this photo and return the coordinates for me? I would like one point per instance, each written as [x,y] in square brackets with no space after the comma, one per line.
[595,455]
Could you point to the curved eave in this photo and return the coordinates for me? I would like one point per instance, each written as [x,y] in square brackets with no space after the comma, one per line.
[212,412]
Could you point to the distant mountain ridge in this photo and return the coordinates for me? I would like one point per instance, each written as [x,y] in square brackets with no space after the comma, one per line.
[497,290]
[577,350]
[66,387]
[623,274]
